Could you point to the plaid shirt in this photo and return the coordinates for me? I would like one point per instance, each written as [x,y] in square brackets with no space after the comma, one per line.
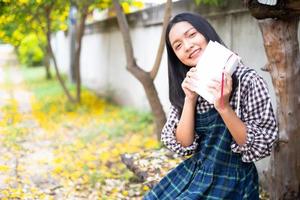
[255,111]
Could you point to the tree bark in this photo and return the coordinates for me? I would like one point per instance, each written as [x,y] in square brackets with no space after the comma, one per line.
[128,160]
[45,49]
[50,50]
[81,28]
[72,33]
[161,46]
[146,78]
[282,49]
[47,64]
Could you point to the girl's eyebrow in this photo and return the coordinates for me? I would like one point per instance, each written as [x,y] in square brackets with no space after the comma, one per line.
[183,34]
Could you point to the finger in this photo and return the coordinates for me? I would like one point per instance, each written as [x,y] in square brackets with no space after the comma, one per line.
[215,88]
[227,77]
[193,76]
[187,84]
[187,81]
[214,92]
[184,84]
[188,74]
[193,69]
[192,83]
[214,83]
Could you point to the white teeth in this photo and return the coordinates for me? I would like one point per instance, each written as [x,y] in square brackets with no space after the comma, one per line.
[191,55]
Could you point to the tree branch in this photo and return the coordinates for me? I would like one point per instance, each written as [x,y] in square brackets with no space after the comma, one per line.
[129,162]
[167,16]
[126,36]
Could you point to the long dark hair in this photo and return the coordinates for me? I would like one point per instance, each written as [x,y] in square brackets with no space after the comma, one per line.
[176,69]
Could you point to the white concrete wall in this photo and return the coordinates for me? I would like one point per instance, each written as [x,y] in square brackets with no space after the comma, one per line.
[103,62]
[61,48]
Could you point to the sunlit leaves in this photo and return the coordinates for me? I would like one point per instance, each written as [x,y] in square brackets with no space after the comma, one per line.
[20,18]
[30,16]
[23,2]
[138,4]
[30,51]
[125,7]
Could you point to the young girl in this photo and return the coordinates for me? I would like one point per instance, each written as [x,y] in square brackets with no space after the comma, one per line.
[224,140]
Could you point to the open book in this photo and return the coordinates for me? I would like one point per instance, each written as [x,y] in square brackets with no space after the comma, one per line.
[212,62]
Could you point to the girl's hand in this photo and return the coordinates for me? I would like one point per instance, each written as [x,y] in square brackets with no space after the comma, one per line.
[215,89]
[188,84]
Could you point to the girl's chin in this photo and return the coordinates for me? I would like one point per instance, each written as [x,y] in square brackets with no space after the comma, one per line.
[194,62]
[191,64]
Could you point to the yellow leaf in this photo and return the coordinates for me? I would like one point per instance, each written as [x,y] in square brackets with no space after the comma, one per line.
[63,27]
[23,1]
[125,193]
[58,160]
[138,4]
[4,168]
[145,188]
[105,156]
[126,7]
[135,140]
[2,34]
[151,143]
[58,169]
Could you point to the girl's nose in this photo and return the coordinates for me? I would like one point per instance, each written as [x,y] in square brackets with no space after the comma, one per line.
[187,45]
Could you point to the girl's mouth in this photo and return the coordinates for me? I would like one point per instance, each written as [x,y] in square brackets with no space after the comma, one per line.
[195,53]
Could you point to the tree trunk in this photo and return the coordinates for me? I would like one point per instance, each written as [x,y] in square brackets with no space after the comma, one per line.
[81,28]
[146,78]
[50,50]
[152,96]
[282,49]
[72,33]
[46,51]
[47,63]
[133,166]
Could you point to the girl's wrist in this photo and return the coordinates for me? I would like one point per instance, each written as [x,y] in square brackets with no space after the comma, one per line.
[191,100]
[225,110]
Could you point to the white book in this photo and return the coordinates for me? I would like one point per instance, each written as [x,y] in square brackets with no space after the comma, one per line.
[214,59]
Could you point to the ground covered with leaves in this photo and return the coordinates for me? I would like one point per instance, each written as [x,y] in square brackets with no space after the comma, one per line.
[52,149]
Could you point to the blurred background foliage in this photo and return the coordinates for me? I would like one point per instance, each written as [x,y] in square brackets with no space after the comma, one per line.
[30,51]
[23,23]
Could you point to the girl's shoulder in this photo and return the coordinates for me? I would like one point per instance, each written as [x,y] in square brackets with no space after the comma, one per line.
[247,74]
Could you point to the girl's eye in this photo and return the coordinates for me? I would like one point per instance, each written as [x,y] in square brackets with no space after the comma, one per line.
[192,34]
[177,46]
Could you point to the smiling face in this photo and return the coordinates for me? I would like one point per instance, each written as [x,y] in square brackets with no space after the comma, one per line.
[187,43]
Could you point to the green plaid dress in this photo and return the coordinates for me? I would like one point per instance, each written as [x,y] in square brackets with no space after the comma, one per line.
[213,172]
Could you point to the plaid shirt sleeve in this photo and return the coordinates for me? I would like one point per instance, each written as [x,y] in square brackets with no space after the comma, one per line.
[258,115]
[168,135]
